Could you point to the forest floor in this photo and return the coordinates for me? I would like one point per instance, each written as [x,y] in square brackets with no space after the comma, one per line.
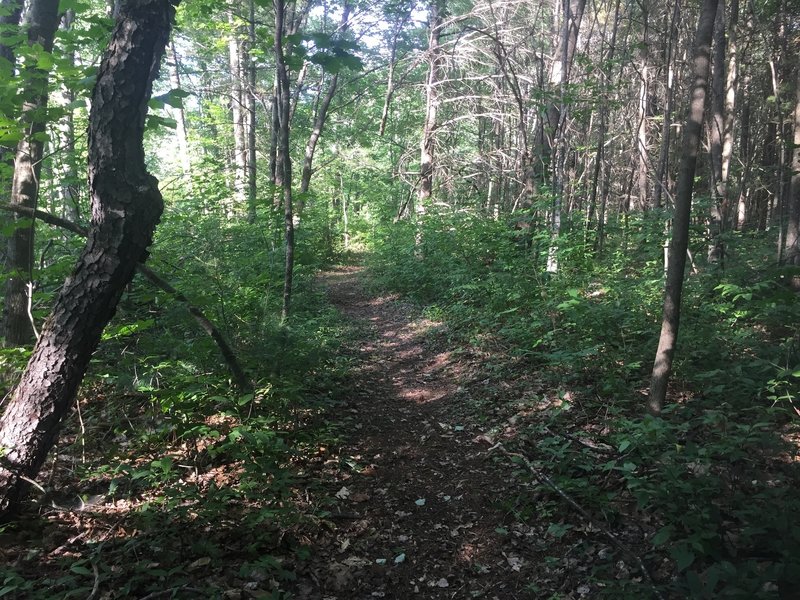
[401,488]
[422,507]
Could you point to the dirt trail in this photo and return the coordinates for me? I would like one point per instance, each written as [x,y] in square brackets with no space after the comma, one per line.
[418,514]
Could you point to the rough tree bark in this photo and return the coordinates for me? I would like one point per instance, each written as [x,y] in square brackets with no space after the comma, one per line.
[662,367]
[41,18]
[126,206]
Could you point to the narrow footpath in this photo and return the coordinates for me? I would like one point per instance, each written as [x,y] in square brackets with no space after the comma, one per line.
[419,506]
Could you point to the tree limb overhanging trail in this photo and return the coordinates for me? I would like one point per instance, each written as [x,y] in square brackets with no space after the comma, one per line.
[240,378]
[416,505]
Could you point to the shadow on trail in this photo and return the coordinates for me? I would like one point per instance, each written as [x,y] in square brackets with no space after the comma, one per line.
[417,503]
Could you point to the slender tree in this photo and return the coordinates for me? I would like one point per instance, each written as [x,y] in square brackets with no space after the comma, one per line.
[126,206]
[436,9]
[284,158]
[701,64]
[319,120]
[791,254]
[41,19]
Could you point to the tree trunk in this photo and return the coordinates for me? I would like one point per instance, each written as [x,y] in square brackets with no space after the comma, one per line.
[67,170]
[387,100]
[319,123]
[42,21]
[642,141]
[126,206]
[662,367]
[559,78]
[285,160]
[239,163]
[719,191]
[599,155]
[250,93]
[666,135]
[181,130]
[791,254]
[436,10]
[10,13]
[239,376]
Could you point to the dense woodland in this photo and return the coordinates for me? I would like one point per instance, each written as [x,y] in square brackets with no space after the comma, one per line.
[598,203]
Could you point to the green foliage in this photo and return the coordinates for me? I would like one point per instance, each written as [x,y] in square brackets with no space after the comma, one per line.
[708,483]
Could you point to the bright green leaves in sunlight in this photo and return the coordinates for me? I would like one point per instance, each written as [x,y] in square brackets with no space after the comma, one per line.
[323,49]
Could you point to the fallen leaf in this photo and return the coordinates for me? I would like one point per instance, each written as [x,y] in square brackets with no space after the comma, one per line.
[442,583]
[359,497]
[515,562]
[343,493]
[200,562]
[420,502]
[399,558]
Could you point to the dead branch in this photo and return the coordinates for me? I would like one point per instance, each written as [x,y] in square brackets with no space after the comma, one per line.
[542,478]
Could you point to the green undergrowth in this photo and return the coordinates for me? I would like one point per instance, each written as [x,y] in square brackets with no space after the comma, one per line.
[705,494]
[173,480]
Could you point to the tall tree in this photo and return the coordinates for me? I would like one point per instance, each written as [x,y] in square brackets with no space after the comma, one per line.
[791,253]
[284,165]
[320,117]
[41,19]
[701,65]
[436,9]
[126,206]
[10,14]
[237,64]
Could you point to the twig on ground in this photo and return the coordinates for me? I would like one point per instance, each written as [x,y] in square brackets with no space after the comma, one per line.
[498,446]
[96,586]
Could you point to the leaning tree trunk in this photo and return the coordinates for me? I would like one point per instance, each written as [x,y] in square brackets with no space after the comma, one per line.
[126,206]
[662,366]
[319,124]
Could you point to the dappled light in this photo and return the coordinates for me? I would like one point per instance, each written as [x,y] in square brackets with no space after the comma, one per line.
[345,300]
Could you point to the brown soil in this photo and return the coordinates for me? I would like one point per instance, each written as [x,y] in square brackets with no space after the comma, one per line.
[417,498]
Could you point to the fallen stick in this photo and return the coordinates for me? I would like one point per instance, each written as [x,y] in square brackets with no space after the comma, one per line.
[239,376]
[542,478]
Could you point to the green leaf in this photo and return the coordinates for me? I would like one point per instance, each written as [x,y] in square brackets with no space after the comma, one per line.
[155,121]
[682,556]
[76,5]
[173,98]
[663,535]
[80,570]
[624,445]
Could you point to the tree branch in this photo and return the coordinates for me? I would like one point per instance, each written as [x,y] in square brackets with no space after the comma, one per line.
[239,376]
